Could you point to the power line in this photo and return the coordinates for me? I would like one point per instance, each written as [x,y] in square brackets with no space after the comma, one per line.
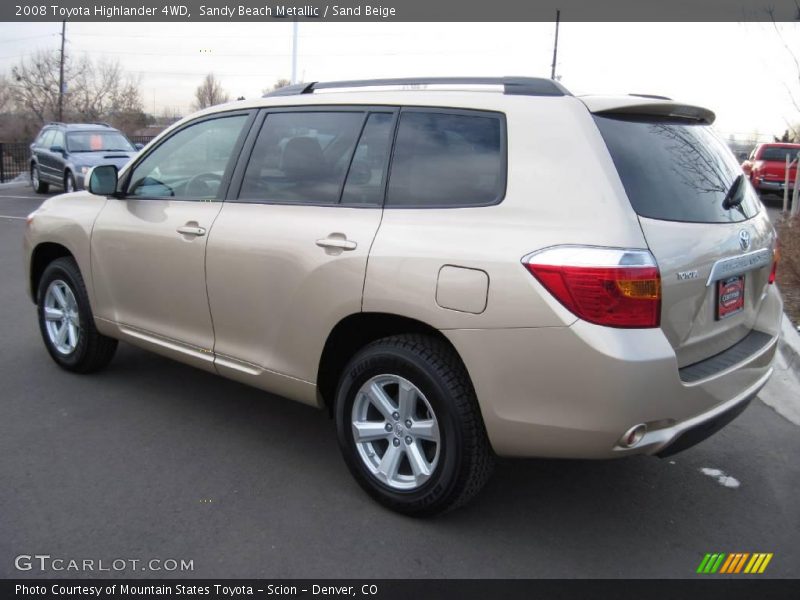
[238,37]
[31,37]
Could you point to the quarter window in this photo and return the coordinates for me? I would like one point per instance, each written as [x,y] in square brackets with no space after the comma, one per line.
[301,157]
[447,160]
[191,164]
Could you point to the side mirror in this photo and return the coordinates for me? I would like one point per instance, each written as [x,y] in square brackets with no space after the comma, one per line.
[102,180]
[138,146]
[56,149]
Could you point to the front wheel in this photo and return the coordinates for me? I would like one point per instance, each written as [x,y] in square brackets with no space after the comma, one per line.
[66,321]
[409,425]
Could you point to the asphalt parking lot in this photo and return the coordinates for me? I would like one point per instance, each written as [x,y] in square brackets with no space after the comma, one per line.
[153,459]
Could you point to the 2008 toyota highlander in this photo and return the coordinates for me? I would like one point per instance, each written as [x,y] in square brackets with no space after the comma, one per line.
[455,268]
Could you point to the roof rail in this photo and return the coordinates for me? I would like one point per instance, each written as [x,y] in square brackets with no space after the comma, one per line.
[55,123]
[652,96]
[522,86]
[103,123]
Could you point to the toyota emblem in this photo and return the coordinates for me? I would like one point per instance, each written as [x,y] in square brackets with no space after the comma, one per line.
[744,239]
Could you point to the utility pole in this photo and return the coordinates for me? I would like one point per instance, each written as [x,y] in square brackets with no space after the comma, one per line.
[555,47]
[294,51]
[61,74]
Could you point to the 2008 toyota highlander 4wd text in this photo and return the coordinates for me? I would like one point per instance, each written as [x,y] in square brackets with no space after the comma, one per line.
[454,268]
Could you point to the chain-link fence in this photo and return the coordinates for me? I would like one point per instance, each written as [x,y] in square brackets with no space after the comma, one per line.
[140,139]
[14,160]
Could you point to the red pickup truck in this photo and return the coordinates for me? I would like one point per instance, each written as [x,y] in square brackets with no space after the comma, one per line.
[766,166]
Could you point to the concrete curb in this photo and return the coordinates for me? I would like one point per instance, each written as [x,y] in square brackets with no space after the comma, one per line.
[782,392]
[789,344]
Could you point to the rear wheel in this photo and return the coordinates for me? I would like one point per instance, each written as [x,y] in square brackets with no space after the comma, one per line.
[39,186]
[66,321]
[409,425]
[69,182]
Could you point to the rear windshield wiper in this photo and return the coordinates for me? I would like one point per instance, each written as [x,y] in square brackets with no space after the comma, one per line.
[732,197]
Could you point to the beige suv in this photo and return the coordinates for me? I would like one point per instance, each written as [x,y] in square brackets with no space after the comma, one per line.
[455,269]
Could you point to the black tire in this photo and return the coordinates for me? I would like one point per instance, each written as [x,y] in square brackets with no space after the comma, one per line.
[39,186]
[69,182]
[465,460]
[93,350]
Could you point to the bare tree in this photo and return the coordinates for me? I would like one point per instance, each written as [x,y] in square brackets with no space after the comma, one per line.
[94,90]
[95,87]
[209,93]
[6,99]
[35,83]
[276,86]
[127,111]
[793,87]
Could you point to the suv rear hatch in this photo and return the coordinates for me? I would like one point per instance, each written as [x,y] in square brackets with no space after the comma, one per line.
[701,220]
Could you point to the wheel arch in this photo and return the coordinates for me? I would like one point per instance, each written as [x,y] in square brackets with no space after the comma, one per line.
[43,254]
[353,333]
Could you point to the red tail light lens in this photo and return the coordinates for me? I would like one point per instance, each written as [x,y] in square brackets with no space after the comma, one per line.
[776,257]
[605,286]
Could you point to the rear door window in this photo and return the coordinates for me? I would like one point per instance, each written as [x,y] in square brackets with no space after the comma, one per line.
[676,170]
[301,157]
[445,160]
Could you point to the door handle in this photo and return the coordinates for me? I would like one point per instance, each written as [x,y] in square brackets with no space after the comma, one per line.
[192,230]
[337,242]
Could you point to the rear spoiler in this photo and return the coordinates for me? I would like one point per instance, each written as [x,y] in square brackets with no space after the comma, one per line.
[646,106]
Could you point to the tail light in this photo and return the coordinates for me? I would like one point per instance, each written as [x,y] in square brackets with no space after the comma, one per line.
[606,286]
[776,257]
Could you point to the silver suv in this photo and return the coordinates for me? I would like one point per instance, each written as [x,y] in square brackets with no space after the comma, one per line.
[455,269]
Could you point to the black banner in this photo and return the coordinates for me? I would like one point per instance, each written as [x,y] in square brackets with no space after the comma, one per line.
[399,10]
[367,589]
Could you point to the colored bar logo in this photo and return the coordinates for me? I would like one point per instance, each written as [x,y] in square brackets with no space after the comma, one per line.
[737,562]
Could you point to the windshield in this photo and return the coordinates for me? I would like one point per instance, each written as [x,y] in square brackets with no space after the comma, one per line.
[676,171]
[778,153]
[98,141]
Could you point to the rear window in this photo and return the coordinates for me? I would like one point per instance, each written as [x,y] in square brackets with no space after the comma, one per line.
[778,153]
[98,141]
[445,160]
[675,171]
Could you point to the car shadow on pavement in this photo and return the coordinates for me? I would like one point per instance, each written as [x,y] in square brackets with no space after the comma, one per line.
[182,461]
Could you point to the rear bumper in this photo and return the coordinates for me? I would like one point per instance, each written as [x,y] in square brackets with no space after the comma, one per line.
[772,186]
[694,431]
[572,392]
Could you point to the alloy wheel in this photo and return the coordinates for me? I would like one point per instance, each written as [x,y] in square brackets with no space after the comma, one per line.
[396,432]
[61,317]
